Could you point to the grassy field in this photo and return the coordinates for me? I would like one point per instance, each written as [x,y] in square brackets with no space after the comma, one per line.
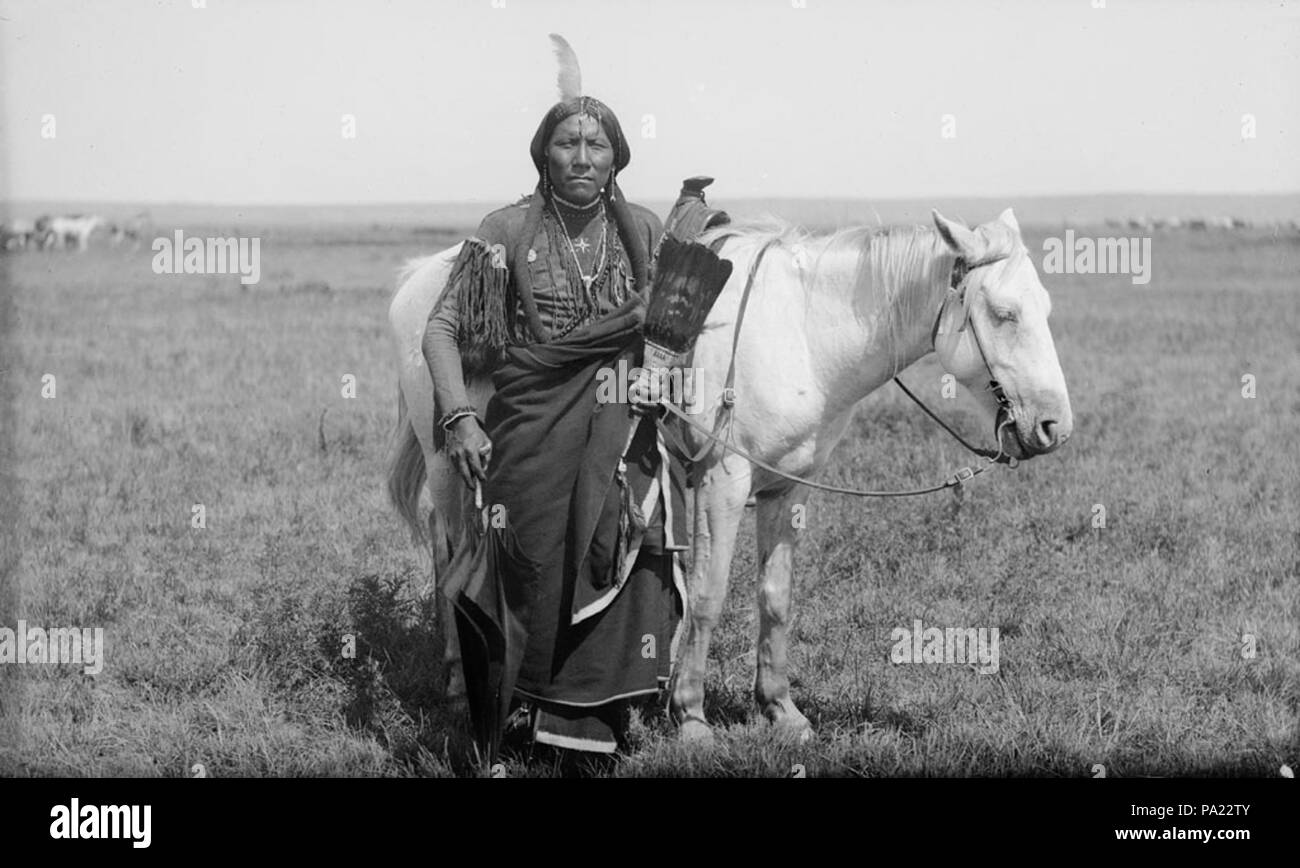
[1120,646]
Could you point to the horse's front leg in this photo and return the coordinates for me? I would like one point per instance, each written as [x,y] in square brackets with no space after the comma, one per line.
[781,515]
[719,504]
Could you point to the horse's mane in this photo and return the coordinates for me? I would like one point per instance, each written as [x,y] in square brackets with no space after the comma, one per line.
[902,257]
[887,261]
[758,230]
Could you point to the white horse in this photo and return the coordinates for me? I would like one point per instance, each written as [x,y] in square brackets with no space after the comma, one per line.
[829,320]
[75,229]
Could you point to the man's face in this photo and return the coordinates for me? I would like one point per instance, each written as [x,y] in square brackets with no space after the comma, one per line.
[580,157]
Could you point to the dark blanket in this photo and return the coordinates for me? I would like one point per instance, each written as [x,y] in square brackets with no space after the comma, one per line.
[551,618]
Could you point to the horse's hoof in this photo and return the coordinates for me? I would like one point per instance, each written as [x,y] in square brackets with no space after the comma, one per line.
[694,730]
[791,723]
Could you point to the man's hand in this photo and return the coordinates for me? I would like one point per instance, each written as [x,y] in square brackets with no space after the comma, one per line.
[649,390]
[469,450]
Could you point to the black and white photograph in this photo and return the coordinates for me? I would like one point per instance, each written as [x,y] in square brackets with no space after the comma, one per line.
[456,389]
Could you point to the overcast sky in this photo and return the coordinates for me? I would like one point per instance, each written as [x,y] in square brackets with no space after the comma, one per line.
[244,102]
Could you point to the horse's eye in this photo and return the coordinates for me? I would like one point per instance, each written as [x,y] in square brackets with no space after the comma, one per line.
[1004,314]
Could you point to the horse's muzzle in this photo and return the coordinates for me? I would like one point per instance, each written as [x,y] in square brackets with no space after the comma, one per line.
[1047,436]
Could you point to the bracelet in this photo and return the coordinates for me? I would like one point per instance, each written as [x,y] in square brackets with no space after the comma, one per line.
[456,413]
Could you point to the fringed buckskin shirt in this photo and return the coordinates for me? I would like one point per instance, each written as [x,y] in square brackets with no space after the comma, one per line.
[480,311]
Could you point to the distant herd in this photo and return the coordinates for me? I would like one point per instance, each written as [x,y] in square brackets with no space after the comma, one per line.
[74,231]
[1199,223]
[69,232]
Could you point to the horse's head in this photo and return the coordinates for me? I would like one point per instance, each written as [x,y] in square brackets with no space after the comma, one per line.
[993,327]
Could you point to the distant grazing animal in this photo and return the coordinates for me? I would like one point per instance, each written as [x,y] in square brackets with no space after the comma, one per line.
[44,237]
[131,230]
[17,234]
[74,229]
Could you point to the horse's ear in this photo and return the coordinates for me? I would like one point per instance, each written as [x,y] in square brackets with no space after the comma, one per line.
[959,239]
[1009,218]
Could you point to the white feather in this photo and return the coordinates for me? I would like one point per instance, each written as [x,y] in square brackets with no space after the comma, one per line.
[569,79]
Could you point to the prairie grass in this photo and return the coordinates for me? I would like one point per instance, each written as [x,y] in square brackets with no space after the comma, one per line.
[1120,646]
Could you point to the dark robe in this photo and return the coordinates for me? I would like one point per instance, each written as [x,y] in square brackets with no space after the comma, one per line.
[577,607]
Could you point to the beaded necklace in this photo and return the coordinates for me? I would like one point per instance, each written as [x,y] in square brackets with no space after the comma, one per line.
[602,246]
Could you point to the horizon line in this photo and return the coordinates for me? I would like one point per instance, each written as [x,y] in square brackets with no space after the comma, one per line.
[4,201]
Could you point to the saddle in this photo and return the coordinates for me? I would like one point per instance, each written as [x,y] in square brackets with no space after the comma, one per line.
[689,218]
[691,215]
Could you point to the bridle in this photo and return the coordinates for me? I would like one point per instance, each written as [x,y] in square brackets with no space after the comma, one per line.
[961,272]
[956,293]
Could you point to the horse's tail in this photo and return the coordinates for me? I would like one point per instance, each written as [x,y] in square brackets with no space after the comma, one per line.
[406,473]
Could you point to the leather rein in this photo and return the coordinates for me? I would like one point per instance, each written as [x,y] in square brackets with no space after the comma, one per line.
[716,437]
